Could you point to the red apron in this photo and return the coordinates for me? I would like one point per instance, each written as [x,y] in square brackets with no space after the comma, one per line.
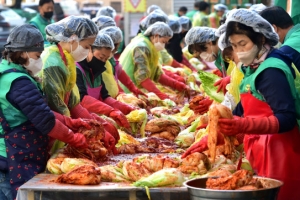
[93,92]
[274,155]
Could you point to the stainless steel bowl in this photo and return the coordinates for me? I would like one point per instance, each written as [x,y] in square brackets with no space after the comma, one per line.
[198,191]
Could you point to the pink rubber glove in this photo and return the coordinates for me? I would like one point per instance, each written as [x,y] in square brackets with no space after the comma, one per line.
[203,106]
[73,124]
[151,87]
[174,76]
[108,127]
[188,64]
[124,108]
[168,81]
[110,142]
[125,79]
[222,84]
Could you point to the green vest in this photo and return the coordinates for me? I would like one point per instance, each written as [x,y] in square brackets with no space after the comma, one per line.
[219,63]
[40,23]
[248,83]
[13,116]
[87,79]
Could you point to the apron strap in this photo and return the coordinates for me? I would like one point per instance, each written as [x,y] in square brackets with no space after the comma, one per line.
[61,52]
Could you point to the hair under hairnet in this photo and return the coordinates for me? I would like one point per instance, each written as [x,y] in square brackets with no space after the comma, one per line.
[103,40]
[71,28]
[200,35]
[219,7]
[106,11]
[159,28]
[155,16]
[175,24]
[257,7]
[103,22]
[25,38]
[114,33]
[185,22]
[151,8]
[253,20]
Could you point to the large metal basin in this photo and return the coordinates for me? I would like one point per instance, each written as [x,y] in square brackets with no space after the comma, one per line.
[197,190]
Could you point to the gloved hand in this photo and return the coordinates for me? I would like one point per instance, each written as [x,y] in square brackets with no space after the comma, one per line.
[124,108]
[138,92]
[260,125]
[108,126]
[110,142]
[202,145]
[73,124]
[174,76]
[64,134]
[125,79]
[217,72]
[188,64]
[203,106]
[95,106]
[119,118]
[151,87]
[168,81]
[222,84]
[176,64]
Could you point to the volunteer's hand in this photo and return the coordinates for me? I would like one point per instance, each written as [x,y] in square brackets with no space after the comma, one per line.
[203,106]
[217,72]
[75,124]
[119,118]
[109,142]
[202,145]
[180,86]
[222,84]
[108,126]
[138,92]
[79,141]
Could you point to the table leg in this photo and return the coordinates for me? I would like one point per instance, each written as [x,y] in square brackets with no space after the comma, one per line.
[132,195]
[30,195]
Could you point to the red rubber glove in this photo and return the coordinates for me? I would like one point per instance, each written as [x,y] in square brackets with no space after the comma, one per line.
[222,84]
[174,76]
[124,108]
[217,72]
[260,125]
[188,64]
[151,87]
[119,118]
[73,124]
[176,64]
[203,106]
[108,127]
[125,79]
[110,142]
[168,81]
[80,112]
[202,145]
[96,106]
[64,134]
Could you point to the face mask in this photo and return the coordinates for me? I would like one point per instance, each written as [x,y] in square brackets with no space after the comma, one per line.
[159,46]
[80,53]
[208,57]
[95,64]
[48,15]
[247,57]
[34,66]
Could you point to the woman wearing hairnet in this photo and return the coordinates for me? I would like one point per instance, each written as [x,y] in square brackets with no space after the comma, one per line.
[104,21]
[269,106]
[214,17]
[71,38]
[114,73]
[140,60]
[107,11]
[179,26]
[26,120]
[90,81]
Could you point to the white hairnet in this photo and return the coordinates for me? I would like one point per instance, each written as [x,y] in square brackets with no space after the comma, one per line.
[71,28]
[114,33]
[257,7]
[200,35]
[253,20]
[104,21]
[219,7]
[175,24]
[106,11]
[159,28]
[155,16]
[185,22]
[151,8]
[103,40]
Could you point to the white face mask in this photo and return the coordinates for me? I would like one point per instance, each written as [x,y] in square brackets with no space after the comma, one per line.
[159,46]
[208,57]
[247,57]
[80,53]
[35,66]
